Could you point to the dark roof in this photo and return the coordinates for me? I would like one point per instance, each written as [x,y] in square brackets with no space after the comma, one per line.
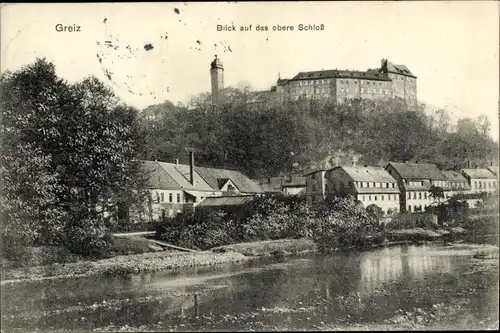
[479,173]
[397,69]
[243,183]
[417,170]
[342,74]
[225,201]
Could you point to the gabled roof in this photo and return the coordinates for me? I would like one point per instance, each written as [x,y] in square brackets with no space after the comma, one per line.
[399,69]
[243,183]
[417,170]
[478,173]
[367,173]
[225,201]
[453,176]
[176,177]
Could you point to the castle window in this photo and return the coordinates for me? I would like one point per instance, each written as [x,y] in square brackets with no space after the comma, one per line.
[170,197]
[382,197]
[178,197]
[162,197]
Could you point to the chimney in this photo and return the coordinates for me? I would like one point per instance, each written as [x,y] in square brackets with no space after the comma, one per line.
[191,167]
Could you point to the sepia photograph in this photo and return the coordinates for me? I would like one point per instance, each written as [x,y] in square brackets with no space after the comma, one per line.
[249,166]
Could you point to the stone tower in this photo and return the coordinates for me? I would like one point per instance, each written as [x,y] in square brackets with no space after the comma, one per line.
[217,75]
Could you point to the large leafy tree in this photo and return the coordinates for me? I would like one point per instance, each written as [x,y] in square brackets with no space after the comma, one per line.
[85,144]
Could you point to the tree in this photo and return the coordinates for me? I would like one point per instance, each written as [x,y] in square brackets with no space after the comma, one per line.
[436,192]
[86,144]
[375,211]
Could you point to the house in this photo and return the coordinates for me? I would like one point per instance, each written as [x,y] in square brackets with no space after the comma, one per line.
[288,185]
[368,184]
[455,183]
[414,181]
[294,185]
[481,180]
[175,187]
[315,186]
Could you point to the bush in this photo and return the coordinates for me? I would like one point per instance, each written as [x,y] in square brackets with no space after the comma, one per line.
[90,240]
[412,220]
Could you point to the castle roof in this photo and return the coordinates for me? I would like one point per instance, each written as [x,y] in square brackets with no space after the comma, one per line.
[335,73]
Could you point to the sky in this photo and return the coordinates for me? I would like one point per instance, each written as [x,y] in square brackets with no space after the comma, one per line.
[152,52]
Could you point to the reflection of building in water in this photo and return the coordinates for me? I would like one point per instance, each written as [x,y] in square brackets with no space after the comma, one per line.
[392,264]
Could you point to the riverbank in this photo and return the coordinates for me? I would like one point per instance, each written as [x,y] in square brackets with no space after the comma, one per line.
[172,260]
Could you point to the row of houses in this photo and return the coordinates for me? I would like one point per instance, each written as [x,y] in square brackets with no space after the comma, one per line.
[175,188]
[403,187]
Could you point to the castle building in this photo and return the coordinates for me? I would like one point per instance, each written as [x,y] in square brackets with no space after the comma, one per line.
[217,77]
[387,81]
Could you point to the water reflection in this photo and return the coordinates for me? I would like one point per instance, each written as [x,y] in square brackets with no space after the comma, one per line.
[390,264]
[287,283]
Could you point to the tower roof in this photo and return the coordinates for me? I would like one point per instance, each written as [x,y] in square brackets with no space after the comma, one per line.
[216,63]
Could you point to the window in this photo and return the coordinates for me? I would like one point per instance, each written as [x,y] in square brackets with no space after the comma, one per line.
[369,198]
[489,183]
[162,198]
[475,184]
[409,196]
[170,197]
[420,195]
[414,195]
[422,183]
[409,208]
[178,197]
[374,184]
[425,195]
[393,185]
[382,197]
[375,198]
[363,197]
[163,213]
[387,185]
[360,184]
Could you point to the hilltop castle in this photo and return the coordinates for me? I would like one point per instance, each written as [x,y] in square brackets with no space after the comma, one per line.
[385,82]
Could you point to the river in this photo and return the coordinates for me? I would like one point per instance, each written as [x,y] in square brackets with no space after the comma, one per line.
[383,286]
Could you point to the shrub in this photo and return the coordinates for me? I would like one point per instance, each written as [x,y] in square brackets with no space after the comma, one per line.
[90,240]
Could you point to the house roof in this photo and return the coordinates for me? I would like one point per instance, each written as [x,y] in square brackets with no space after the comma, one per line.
[243,183]
[176,177]
[479,173]
[494,169]
[367,174]
[342,74]
[453,176]
[417,170]
[397,69]
[225,201]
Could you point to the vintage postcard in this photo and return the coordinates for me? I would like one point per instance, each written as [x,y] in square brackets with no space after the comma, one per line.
[249,166]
